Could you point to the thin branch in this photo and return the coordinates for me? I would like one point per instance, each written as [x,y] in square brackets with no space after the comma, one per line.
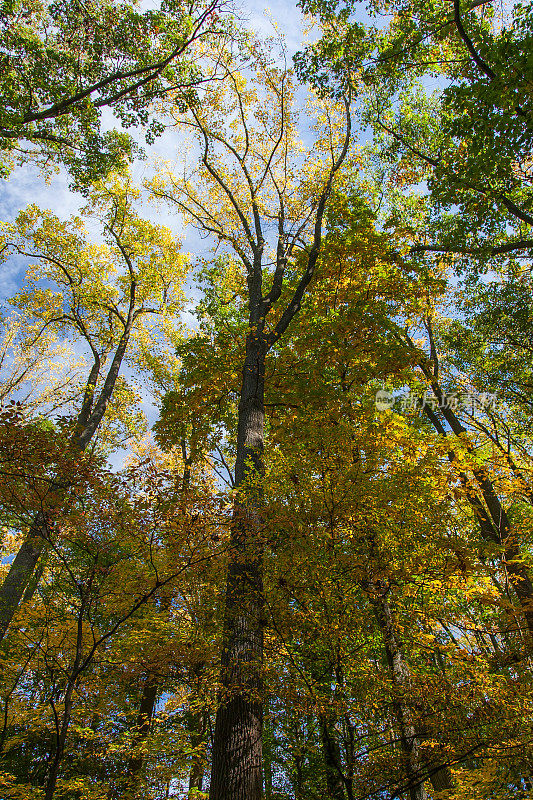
[294,305]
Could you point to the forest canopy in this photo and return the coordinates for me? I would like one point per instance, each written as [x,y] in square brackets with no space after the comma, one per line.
[266,400]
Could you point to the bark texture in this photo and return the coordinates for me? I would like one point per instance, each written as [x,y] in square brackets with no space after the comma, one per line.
[442,779]
[237,749]
[332,759]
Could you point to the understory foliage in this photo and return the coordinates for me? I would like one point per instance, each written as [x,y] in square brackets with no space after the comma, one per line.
[276,492]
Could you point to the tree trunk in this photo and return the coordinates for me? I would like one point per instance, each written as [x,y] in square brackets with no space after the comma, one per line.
[268,755]
[63,726]
[130,783]
[89,418]
[21,570]
[299,788]
[197,729]
[322,674]
[128,786]
[332,759]
[236,772]
[60,747]
[401,681]
[142,729]
[442,779]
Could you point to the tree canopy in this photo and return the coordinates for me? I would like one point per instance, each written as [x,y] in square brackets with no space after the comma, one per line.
[266,507]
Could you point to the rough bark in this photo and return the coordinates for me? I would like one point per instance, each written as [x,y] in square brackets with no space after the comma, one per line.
[236,772]
[442,779]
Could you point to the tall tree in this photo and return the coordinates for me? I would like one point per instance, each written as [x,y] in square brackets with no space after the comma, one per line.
[103,292]
[250,199]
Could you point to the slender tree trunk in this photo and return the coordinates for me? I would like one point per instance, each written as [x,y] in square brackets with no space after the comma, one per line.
[197,730]
[132,778]
[236,772]
[349,748]
[401,681]
[62,725]
[494,523]
[322,674]
[298,778]
[128,785]
[332,759]
[197,721]
[268,750]
[60,746]
[89,418]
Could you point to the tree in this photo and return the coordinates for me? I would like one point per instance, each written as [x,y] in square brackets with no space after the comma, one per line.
[63,63]
[250,192]
[95,614]
[103,291]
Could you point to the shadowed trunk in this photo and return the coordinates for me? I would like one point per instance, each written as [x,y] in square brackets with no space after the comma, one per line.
[63,720]
[401,680]
[197,729]
[127,787]
[322,675]
[332,758]
[142,729]
[268,752]
[442,779]
[60,743]
[196,721]
[237,748]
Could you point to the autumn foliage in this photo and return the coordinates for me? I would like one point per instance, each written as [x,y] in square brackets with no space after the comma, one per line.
[266,508]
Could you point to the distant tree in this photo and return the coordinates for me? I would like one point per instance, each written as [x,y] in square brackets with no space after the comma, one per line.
[100,295]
